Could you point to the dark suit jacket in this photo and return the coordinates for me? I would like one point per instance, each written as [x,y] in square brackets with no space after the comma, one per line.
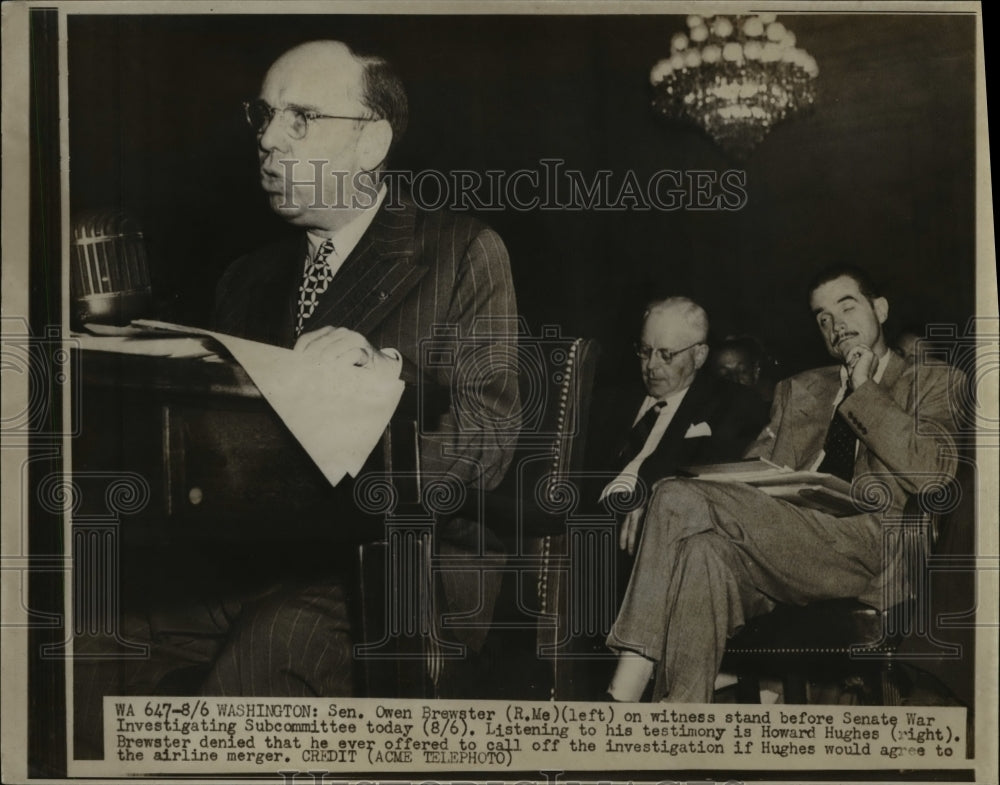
[732,413]
[435,286]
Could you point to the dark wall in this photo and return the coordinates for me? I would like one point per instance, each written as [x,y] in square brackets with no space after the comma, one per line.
[880,174]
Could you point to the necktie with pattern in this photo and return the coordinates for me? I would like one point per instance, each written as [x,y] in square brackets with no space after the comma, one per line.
[315,281]
[840,446]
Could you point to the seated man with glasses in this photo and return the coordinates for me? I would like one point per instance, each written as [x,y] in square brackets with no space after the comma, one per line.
[679,415]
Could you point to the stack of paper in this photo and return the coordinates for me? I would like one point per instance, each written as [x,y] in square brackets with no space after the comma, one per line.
[135,340]
[816,490]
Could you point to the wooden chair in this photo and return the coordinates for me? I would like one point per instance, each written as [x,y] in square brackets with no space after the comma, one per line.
[534,511]
[403,650]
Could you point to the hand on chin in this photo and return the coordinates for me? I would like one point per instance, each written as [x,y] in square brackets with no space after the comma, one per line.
[843,347]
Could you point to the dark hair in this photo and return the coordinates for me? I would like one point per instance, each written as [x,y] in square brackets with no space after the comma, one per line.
[864,281]
[383,93]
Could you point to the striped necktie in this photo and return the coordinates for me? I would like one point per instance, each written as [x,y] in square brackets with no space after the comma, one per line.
[315,281]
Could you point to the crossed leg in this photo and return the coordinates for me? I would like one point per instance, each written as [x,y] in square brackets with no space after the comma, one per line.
[713,555]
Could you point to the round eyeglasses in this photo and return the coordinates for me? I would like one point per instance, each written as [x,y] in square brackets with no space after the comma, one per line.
[295,119]
[666,356]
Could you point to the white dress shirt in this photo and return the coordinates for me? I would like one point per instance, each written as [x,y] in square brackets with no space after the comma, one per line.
[347,237]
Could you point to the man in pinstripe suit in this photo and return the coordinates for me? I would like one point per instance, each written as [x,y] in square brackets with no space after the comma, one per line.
[394,277]
[366,282]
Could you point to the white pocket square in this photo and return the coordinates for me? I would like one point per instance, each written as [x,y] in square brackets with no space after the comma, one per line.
[698,429]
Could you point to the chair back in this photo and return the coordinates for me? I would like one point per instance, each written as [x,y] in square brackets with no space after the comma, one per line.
[556,380]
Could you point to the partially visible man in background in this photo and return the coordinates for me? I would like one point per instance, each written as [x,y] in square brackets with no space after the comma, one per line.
[742,359]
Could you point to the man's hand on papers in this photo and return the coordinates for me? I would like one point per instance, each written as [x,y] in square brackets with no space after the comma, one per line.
[340,345]
[337,417]
[630,530]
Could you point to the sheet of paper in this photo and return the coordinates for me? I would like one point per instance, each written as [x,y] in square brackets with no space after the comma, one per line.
[778,477]
[750,465]
[336,414]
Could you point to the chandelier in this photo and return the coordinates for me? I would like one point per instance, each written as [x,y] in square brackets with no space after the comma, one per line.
[734,77]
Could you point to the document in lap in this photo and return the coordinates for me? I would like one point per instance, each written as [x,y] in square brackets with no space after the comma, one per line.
[338,415]
[816,490]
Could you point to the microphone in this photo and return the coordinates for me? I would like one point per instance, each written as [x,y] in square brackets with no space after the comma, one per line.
[109,276]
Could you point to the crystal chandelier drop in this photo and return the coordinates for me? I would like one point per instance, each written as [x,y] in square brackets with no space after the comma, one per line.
[734,77]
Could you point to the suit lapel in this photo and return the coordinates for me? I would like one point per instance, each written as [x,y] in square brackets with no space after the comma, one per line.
[624,409]
[674,449]
[278,296]
[376,276]
[807,424]
[821,391]
[893,370]
[686,413]
[816,409]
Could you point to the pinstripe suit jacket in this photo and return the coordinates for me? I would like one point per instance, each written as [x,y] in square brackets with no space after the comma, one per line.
[435,286]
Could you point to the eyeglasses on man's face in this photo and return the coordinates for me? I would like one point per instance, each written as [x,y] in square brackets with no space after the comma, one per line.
[665,356]
[295,119]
